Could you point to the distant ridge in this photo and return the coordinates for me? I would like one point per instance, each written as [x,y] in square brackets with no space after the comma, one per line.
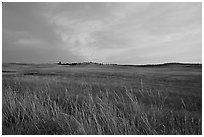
[95,63]
[145,65]
[166,64]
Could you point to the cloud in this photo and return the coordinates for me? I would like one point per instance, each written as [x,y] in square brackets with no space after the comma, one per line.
[88,36]
[106,32]
[22,38]
[27,42]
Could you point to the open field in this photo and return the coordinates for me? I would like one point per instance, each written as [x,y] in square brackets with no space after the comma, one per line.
[101,99]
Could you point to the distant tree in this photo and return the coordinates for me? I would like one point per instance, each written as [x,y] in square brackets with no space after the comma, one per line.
[60,63]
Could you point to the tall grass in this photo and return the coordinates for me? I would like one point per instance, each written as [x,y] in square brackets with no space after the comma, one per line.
[101,112]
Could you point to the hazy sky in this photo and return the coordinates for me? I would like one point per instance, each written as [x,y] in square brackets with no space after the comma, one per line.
[125,33]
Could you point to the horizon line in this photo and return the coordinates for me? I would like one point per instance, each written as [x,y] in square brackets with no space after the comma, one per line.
[67,63]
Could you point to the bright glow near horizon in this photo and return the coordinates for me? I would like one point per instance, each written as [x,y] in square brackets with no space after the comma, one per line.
[124,33]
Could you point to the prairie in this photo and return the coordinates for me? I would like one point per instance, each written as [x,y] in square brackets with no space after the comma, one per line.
[98,99]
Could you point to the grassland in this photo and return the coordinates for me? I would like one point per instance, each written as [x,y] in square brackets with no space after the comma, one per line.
[101,99]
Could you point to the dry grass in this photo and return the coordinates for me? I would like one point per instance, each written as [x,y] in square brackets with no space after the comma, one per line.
[33,106]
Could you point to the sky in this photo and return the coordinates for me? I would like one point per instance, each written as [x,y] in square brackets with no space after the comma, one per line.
[122,33]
